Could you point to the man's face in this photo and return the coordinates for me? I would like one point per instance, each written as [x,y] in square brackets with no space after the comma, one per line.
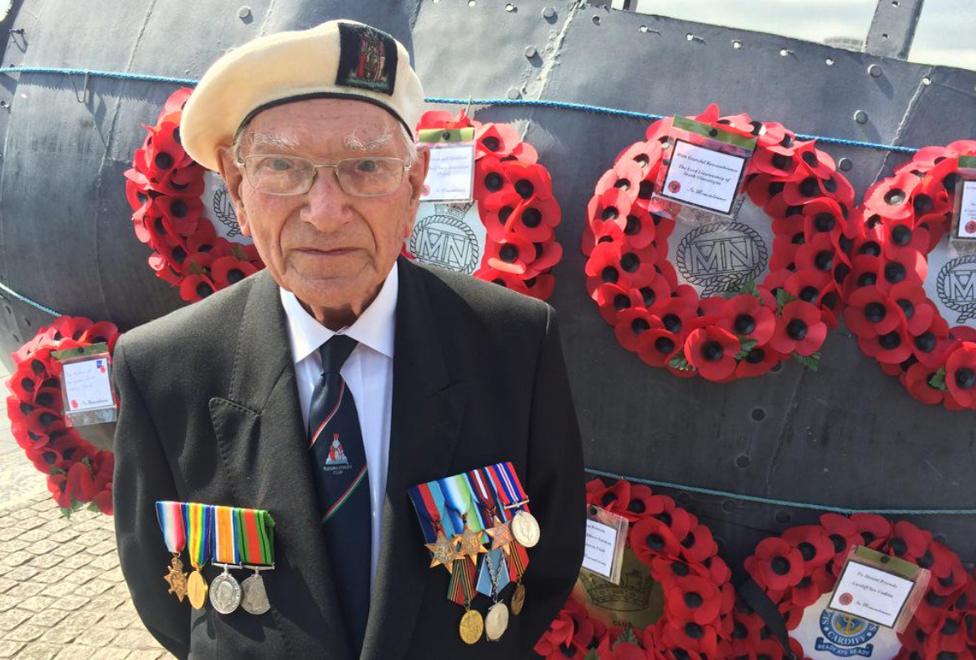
[333,250]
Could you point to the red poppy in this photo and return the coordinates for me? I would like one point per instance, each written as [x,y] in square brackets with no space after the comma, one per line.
[625,177]
[650,537]
[799,329]
[891,348]
[870,312]
[758,361]
[229,270]
[498,140]
[690,637]
[613,497]
[698,545]
[819,254]
[776,564]
[891,196]
[948,574]
[196,287]
[816,162]
[769,162]
[658,346]
[813,544]
[693,598]
[960,377]
[612,299]
[908,541]
[917,380]
[631,324]
[712,352]
[490,176]
[570,627]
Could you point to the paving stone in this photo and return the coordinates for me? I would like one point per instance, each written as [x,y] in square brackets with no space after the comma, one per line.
[82,575]
[48,618]
[137,639]
[15,545]
[121,620]
[65,535]
[21,573]
[13,618]
[34,535]
[8,602]
[106,562]
[60,589]
[25,632]
[94,588]
[53,575]
[98,637]
[6,584]
[7,533]
[77,560]
[37,603]
[46,561]
[26,590]
[10,649]
[66,550]
[115,653]
[18,558]
[70,603]
[62,636]
[73,652]
[43,546]
[82,621]
[39,651]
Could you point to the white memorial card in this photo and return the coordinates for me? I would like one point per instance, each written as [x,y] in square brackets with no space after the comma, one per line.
[451,174]
[966,228]
[86,384]
[871,593]
[703,177]
[606,535]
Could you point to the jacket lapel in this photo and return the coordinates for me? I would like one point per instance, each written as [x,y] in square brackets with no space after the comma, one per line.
[263,446]
[427,413]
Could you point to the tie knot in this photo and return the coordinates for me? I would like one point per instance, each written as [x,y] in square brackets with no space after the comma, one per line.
[335,352]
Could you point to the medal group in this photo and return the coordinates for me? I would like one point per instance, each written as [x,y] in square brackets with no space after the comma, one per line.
[227,537]
[461,515]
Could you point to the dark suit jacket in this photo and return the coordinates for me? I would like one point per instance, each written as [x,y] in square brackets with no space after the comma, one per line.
[209,413]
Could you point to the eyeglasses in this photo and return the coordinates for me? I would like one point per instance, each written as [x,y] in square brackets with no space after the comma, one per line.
[291,175]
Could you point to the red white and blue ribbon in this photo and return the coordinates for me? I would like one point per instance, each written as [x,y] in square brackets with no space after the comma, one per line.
[170,516]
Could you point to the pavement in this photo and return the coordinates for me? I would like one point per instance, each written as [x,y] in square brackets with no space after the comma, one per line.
[62,594]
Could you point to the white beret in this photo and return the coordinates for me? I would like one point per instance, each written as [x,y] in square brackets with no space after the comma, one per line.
[337,59]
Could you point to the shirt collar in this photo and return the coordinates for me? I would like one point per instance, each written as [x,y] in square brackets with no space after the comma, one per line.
[374,327]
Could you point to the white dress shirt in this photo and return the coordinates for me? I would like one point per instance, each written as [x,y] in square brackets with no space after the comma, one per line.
[368,373]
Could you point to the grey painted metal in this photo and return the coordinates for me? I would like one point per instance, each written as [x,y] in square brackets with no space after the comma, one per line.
[893,28]
[845,436]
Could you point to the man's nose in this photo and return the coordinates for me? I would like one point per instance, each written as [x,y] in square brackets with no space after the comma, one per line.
[326,204]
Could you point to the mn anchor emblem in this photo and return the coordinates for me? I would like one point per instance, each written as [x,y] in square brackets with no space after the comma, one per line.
[444,239]
[956,287]
[721,256]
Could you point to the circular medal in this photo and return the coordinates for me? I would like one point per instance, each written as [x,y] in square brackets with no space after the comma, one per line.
[254,597]
[196,590]
[518,599]
[496,622]
[472,625]
[225,593]
[525,529]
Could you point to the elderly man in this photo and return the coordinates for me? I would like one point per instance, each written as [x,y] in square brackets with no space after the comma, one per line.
[411,374]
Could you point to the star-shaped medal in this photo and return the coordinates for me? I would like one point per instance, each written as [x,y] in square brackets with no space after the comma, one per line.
[501,536]
[176,579]
[470,544]
[443,552]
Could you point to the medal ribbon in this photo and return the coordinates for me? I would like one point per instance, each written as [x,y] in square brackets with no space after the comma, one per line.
[518,559]
[459,490]
[226,534]
[512,484]
[255,538]
[170,516]
[486,510]
[427,512]
[199,526]
[485,474]
[461,588]
[447,522]
[455,505]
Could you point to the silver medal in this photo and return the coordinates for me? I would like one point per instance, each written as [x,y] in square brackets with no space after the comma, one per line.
[225,593]
[255,597]
[496,622]
[525,528]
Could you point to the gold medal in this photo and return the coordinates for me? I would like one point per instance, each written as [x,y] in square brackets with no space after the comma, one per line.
[525,529]
[472,626]
[496,622]
[196,589]
[518,599]
[176,578]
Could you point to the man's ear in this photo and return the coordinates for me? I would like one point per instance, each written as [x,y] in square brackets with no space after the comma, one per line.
[233,177]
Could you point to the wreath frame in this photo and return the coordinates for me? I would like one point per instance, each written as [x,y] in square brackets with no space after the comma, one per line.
[635,286]
[164,189]
[515,202]
[78,474]
[682,556]
[905,216]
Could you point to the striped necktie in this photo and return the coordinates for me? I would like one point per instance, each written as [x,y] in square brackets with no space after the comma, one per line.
[342,483]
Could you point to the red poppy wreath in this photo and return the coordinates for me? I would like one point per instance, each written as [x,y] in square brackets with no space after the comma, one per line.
[516,214]
[166,191]
[907,216]
[79,474]
[742,333]
[682,557]
[800,568]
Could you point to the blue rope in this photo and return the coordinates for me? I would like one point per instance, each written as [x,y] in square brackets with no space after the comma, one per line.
[445,100]
[33,303]
[786,503]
